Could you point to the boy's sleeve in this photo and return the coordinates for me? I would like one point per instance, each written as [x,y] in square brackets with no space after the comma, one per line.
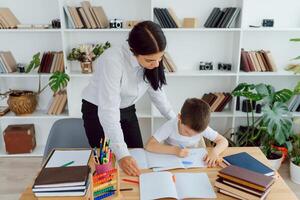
[163,132]
[210,134]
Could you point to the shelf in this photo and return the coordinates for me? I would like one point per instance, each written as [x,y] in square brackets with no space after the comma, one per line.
[199,73]
[37,152]
[97,30]
[30,30]
[213,114]
[201,29]
[281,73]
[270,29]
[23,75]
[38,114]
[243,114]
[79,74]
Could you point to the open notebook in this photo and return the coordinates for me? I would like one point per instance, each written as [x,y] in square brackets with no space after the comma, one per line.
[158,162]
[179,186]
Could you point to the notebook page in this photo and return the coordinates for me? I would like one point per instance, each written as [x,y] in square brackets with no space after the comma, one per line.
[61,157]
[163,160]
[151,189]
[193,185]
[195,157]
[140,156]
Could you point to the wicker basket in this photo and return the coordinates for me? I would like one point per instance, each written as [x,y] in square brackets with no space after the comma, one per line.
[22,102]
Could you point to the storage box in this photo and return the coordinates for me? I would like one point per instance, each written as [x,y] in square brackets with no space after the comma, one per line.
[19,138]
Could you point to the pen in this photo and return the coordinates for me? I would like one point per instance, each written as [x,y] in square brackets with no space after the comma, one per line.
[95,156]
[67,164]
[181,146]
[130,181]
[187,162]
[122,189]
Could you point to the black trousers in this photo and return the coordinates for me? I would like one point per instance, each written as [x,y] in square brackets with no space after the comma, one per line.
[94,130]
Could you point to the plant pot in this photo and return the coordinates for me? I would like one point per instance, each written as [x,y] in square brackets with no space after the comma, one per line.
[86,67]
[22,102]
[276,163]
[283,150]
[294,172]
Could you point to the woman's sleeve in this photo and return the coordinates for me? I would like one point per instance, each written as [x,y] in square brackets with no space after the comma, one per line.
[161,102]
[109,74]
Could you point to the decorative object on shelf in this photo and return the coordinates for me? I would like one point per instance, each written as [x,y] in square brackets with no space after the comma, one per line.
[190,23]
[238,103]
[248,106]
[21,67]
[131,23]
[86,54]
[4,110]
[56,23]
[19,138]
[116,23]
[268,22]
[258,108]
[206,66]
[224,66]
[23,102]
[225,18]
[254,26]
[294,67]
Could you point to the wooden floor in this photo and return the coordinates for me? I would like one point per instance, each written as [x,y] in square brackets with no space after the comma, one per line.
[17,173]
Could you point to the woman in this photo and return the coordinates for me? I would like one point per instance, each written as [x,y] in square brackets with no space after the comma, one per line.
[122,75]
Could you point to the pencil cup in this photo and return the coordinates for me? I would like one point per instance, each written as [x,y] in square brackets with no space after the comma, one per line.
[103,168]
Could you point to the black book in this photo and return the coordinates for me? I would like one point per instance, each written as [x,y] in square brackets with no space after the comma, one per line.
[158,17]
[211,17]
[225,10]
[217,19]
[233,19]
[171,20]
[164,18]
[228,17]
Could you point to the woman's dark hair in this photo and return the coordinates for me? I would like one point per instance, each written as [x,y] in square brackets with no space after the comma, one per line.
[147,38]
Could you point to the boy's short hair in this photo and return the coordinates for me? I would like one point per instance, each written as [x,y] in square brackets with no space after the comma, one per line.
[195,113]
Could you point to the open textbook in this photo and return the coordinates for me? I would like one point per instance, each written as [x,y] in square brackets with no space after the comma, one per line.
[177,185]
[158,162]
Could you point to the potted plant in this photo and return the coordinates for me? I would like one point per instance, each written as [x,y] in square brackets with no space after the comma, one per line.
[274,155]
[86,54]
[273,129]
[23,102]
[295,160]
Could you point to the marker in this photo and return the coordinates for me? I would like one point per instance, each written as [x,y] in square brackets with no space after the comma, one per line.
[187,162]
[130,181]
[67,164]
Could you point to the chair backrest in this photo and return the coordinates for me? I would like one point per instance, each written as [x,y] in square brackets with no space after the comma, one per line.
[66,133]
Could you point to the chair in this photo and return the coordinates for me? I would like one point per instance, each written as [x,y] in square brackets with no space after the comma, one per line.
[66,133]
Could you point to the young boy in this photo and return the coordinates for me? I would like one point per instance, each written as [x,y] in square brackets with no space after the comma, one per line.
[186,131]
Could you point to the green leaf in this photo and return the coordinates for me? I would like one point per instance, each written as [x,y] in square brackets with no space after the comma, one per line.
[58,81]
[296,58]
[283,95]
[34,63]
[295,39]
[297,88]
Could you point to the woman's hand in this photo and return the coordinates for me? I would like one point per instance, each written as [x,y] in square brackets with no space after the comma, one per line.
[129,166]
[212,159]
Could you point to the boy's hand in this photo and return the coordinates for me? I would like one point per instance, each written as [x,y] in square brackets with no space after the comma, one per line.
[212,159]
[182,152]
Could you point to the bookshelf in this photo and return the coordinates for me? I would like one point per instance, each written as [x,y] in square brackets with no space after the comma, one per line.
[186,46]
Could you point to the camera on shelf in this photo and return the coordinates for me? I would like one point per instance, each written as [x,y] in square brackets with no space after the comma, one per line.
[116,23]
[268,22]
[55,23]
[224,66]
[206,66]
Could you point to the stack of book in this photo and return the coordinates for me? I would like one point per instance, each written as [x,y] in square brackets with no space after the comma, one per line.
[7,62]
[257,61]
[8,19]
[86,16]
[217,101]
[294,104]
[241,183]
[166,17]
[225,18]
[168,63]
[52,62]
[58,103]
[66,173]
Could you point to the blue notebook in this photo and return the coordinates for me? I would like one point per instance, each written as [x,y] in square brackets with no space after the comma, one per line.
[246,161]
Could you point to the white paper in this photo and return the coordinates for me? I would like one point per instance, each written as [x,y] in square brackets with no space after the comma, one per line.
[196,157]
[140,156]
[61,157]
[163,160]
[193,185]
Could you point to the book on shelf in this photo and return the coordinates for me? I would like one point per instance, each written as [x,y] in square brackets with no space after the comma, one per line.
[58,103]
[7,19]
[294,104]
[257,61]
[158,162]
[165,18]
[168,63]
[52,61]
[217,101]
[225,18]
[7,62]
[177,185]
[242,183]
[85,16]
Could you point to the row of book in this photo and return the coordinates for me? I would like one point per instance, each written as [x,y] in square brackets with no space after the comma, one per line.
[86,16]
[52,62]
[217,101]
[243,184]
[225,18]
[58,103]
[7,62]
[166,17]
[294,104]
[257,61]
[7,19]
[168,63]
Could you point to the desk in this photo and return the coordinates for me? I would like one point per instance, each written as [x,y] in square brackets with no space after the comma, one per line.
[279,191]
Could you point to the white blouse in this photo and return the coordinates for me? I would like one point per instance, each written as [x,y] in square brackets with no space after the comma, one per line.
[117,82]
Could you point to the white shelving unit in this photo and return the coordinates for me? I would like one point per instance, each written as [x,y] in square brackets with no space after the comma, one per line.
[186,46]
